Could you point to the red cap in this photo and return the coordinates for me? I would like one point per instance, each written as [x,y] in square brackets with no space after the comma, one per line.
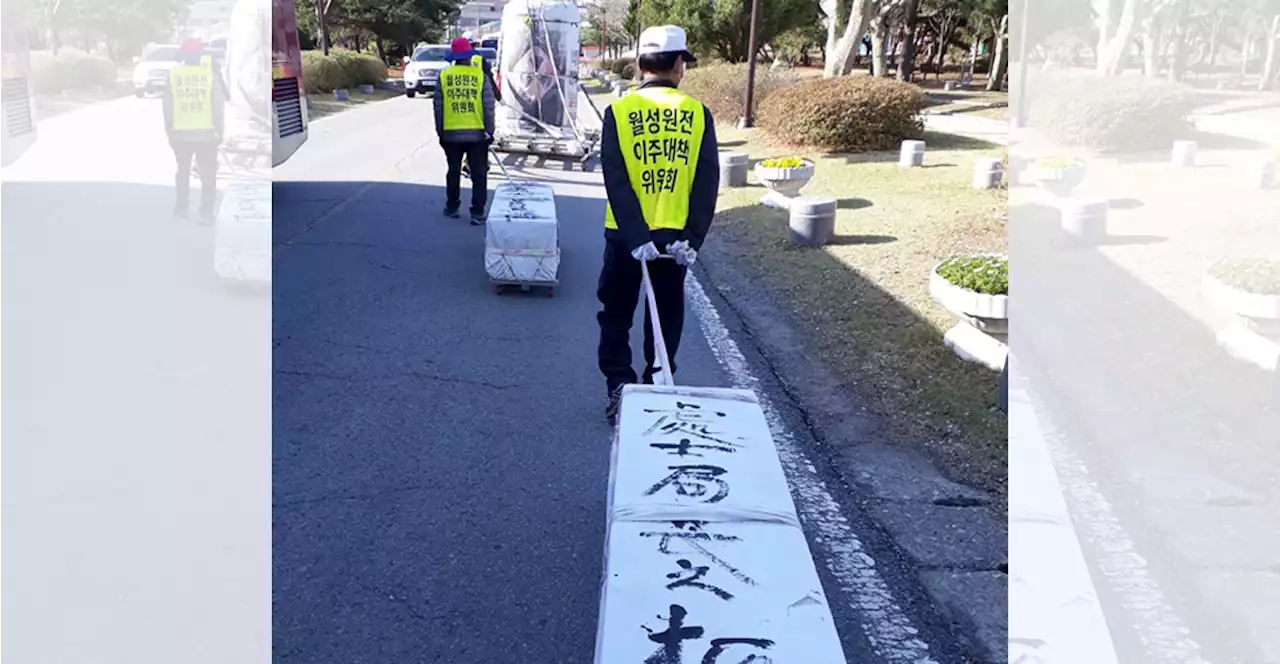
[460,45]
[190,45]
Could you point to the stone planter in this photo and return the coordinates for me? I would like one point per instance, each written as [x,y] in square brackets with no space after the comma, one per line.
[1058,179]
[982,334]
[341,95]
[1258,312]
[366,89]
[783,184]
[1253,336]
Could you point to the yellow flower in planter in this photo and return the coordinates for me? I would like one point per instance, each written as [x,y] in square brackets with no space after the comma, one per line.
[783,162]
[1050,163]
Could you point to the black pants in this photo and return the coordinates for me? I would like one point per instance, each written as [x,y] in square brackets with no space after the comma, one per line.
[206,157]
[620,292]
[477,155]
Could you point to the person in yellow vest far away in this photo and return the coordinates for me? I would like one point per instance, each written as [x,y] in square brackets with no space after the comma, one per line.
[658,154]
[193,116]
[464,106]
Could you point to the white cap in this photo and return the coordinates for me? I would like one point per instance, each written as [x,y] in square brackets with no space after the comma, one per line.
[665,39]
[469,35]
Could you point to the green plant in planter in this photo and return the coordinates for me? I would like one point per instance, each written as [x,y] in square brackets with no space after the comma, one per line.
[783,162]
[1260,276]
[988,275]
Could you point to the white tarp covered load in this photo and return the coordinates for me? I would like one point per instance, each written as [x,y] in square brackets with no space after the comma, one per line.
[705,559]
[538,52]
[522,241]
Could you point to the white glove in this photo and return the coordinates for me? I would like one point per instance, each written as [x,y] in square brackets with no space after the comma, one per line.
[646,252]
[684,254]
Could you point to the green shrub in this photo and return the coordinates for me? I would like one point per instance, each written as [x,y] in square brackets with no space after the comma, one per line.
[340,69]
[1124,113]
[71,69]
[723,88]
[844,114]
[619,67]
[1252,275]
[988,275]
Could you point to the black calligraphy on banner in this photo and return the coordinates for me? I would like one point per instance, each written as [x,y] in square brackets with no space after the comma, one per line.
[692,538]
[719,646]
[694,481]
[671,643]
[690,575]
[661,140]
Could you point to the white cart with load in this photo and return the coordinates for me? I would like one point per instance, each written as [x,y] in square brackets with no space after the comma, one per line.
[538,54]
[522,237]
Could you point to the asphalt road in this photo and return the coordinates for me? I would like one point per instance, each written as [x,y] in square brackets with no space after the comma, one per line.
[440,462]
[136,413]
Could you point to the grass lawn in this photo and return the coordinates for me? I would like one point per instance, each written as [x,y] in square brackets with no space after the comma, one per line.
[323,104]
[865,297]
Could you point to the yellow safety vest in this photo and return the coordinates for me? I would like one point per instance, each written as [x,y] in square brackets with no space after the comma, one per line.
[660,133]
[463,87]
[192,90]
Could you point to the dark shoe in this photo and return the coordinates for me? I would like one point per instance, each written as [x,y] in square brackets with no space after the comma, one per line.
[180,211]
[451,213]
[615,400]
[477,219]
[207,218]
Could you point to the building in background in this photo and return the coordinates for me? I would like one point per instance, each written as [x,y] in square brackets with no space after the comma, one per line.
[207,19]
[475,15]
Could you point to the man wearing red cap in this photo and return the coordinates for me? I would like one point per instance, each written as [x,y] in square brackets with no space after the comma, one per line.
[464,106]
[193,116]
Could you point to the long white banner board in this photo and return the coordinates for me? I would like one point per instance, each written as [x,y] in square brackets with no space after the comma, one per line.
[705,559]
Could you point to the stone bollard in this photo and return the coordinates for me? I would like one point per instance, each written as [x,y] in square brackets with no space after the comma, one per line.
[1184,154]
[912,154]
[341,95]
[988,173]
[1085,219]
[951,85]
[366,89]
[733,169]
[812,220]
[1262,174]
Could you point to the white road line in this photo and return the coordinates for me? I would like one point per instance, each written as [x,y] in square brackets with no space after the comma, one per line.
[1163,633]
[890,631]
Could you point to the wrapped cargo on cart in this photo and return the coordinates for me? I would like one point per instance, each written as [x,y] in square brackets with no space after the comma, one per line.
[522,237]
[538,55]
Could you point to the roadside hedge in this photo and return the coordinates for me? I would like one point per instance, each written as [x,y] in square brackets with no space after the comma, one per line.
[860,114]
[71,69]
[722,87]
[1121,113]
[340,69]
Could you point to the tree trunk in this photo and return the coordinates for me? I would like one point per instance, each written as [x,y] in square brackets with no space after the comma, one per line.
[1151,48]
[907,63]
[844,50]
[878,46]
[1000,58]
[1270,66]
[382,51]
[947,33]
[323,26]
[1113,46]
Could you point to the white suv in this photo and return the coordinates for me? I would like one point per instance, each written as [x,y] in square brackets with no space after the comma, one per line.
[422,71]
